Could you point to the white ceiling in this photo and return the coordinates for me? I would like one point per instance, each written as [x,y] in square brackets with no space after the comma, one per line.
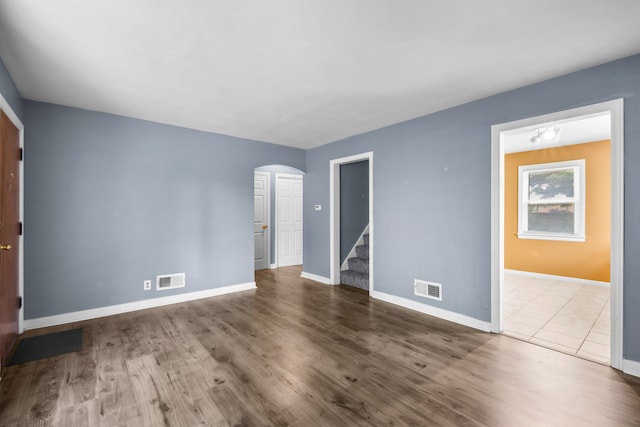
[300,72]
[579,130]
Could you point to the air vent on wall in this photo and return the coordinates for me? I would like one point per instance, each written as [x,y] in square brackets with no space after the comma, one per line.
[170,281]
[428,289]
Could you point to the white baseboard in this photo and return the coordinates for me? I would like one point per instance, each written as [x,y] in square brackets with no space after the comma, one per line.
[95,313]
[433,311]
[631,367]
[273,266]
[315,277]
[559,278]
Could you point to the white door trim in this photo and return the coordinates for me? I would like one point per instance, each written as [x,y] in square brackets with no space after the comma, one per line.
[4,106]
[334,216]
[267,214]
[277,209]
[615,108]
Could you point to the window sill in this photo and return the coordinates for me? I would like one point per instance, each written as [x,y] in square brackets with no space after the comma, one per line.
[559,237]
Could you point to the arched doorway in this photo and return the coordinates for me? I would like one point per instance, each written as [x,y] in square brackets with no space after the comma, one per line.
[277,226]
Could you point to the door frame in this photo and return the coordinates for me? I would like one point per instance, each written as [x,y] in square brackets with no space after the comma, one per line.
[616,109]
[4,106]
[277,206]
[267,214]
[334,216]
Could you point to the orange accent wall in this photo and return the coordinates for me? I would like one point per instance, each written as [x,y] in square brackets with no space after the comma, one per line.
[584,260]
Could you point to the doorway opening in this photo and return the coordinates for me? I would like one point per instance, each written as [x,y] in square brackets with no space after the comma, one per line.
[277,225]
[360,244]
[11,238]
[354,224]
[557,238]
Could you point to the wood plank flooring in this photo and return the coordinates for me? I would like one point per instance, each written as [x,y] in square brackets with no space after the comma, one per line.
[295,352]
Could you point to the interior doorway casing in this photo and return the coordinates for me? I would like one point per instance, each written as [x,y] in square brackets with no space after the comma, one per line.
[615,108]
[334,216]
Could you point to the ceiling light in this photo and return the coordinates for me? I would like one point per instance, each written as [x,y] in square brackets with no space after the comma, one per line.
[546,134]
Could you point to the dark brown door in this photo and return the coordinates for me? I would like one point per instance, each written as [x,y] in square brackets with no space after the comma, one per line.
[9,230]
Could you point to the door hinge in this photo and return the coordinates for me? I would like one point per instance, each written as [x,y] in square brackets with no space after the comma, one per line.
[19,303]
[20,228]
[20,155]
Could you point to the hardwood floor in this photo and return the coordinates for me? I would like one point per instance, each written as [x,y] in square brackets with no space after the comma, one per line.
[295,352]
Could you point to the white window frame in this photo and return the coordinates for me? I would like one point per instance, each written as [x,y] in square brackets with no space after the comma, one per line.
[578,200]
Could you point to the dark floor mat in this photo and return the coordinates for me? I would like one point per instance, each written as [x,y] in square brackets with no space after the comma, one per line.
[49,345]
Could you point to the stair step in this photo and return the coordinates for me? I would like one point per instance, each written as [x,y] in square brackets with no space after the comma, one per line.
[366,238]
[362,251]
[361,265]
[355,278]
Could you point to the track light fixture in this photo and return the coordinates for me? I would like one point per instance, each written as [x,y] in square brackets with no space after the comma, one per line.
[546,134]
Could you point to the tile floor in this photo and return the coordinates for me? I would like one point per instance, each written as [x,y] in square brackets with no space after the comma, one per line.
[569,317]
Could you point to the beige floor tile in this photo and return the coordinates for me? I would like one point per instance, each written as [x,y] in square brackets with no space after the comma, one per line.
[563,289]
[592,310]
[558,338]
[595,348]
[564,294]
[576,330]
[538,312]
[569,320]
[578,316]
[602,328]
[599,291]
[535,319]
[603,324]
[513,308]
[574,319]
[520,328]
[603,320]
[520,317]
[546,307]
[518,335]
[561,315]
[595,337]
[589,300]
[596,290]
[606,310]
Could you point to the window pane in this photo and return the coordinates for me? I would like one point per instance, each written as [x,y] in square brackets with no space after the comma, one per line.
[551,184]
[557,218]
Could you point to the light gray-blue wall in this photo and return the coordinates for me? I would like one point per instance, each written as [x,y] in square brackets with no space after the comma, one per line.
[354,204]
[273,170]
[113,201]
[9,91]
[432,191]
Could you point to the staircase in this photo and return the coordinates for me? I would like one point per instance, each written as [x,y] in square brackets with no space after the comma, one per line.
[357,274]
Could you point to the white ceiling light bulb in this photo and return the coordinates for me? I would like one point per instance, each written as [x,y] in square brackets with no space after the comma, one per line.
[551,134]
[546,134]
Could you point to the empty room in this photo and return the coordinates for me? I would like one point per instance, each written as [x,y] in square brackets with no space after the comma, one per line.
[319,213]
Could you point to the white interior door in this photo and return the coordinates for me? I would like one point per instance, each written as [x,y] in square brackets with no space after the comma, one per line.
[261,220]
[289,219]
